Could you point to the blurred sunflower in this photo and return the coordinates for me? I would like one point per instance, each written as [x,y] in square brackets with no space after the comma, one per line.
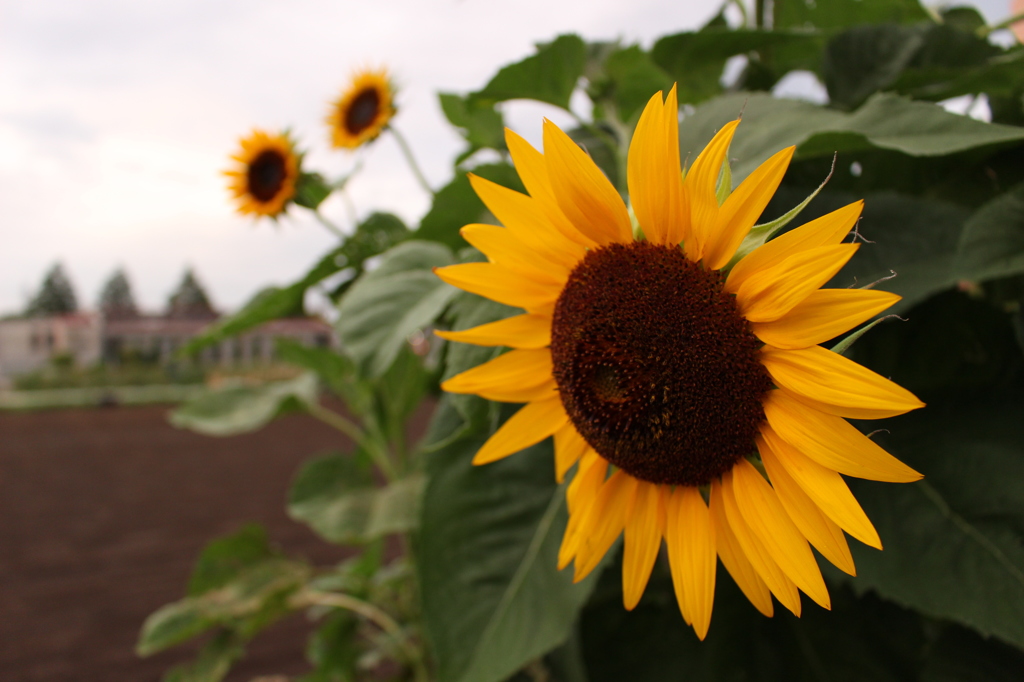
[363,111]
[264,181]
[662,373]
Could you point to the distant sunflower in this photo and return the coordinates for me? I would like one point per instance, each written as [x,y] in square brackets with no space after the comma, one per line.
[264,181]
[363,111]
[663,376]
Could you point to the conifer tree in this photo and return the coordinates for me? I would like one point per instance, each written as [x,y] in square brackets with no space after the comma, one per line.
[190,300]
[56,295]
[116,299]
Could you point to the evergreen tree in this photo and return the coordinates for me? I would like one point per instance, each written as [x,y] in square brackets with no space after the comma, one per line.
[190,299]
[56,296]
[116,299]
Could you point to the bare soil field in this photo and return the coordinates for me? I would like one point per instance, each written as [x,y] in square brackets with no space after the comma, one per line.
[102,512]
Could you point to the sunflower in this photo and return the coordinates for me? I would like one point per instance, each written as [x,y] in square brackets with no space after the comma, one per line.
[363,111]
[264,182]
[692,397]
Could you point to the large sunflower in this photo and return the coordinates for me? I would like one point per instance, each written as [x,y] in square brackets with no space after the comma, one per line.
[694,401]
[268,168]
[363,111]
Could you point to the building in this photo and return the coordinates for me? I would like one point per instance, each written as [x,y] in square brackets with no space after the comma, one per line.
[29,344]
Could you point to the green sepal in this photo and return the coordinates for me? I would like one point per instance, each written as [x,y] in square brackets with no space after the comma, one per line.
[310,190]
[759,234]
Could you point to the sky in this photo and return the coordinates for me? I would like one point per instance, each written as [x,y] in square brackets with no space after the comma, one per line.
[118,116]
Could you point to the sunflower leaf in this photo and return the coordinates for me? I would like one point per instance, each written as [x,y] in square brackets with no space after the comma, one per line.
[549,76]
[311,190]
[842,13]
[237,409]
[885,121]
[487,550]
[384,307]
[954,542]
[992,243]
[336,497]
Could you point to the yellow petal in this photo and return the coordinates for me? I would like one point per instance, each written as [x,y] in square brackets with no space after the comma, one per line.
[819,530]
[530,425]
[831,383]
[743,207]
[645,526]
[584,194]
[736,562]
[823,315]
[569,447]
[691,556]
[653,172]
[701,190]
[525,218]
[750,542]
[533,171]
[516,376]
[768,521]
[832,442]
[828,230]
[769,294]
[579,496]
[825,487]
[604,522]
[501,246]
[519,331]
[501,284]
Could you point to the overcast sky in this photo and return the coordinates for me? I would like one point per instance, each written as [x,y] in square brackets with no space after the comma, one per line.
[117,116]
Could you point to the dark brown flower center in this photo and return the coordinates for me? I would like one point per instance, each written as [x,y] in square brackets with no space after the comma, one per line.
[266,175]
[655,365]
[362,112]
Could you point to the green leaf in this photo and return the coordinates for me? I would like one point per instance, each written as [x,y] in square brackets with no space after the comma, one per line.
[960,655]
[831,14]
[467,311]
[859,639]
[549,76]
[382,309]
[214,660]
[696,59]
[239,409]
[954,542]
[311,190]
[932,61]
[628,78]
[866,59]
[884,122]
[337,498]
[487,549]
[992,243]
[333,649]
[456,205]
[400,391]
[334,369]
[223,559]
[251,600]
[481,124]
[951,341]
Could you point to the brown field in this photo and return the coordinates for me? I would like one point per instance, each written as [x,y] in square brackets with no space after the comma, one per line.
[102,512]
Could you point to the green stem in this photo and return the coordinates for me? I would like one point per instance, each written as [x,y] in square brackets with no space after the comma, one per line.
[372,613]
[358,436]
[331,227]
[411,160]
